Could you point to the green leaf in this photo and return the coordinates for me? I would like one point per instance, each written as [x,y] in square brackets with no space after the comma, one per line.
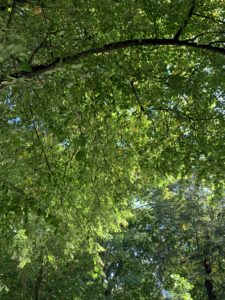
[25,67]
[81,155]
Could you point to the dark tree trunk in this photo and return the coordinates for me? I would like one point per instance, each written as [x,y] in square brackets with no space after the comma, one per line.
[208,282]
[38,282]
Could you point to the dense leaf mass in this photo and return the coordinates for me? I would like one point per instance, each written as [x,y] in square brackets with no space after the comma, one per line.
[112,118]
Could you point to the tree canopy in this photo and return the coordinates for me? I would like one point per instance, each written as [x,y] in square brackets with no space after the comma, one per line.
[112,149]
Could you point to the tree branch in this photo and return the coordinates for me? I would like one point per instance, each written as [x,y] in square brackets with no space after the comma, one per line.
[45,155]
[210,18]
[179,114]
[180,30]
[40,46]
[41,69]
[11,13]
[136,96]
[15,188]
[208,281]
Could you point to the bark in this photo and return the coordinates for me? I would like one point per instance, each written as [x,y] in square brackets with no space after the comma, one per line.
[208,282]
[190,13]
[136,43]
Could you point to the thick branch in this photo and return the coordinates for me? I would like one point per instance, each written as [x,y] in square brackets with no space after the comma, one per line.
[41,69]
[180,30]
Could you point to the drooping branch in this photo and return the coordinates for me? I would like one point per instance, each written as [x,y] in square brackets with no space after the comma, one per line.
[45,155]
[41,69]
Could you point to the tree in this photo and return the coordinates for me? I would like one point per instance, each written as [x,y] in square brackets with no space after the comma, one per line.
[101,100]
[174,245]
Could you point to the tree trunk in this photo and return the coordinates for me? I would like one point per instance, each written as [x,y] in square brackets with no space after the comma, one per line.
[37,286]
[208,282]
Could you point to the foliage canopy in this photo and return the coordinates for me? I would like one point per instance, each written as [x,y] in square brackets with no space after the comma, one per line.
[112,149]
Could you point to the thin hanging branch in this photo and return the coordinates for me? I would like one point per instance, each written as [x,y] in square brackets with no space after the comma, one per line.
[136,96]
[45,155]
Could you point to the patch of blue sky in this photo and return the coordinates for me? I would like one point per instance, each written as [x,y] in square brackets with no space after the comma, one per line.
[15,120]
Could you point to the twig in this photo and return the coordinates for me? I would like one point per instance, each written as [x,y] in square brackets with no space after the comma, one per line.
[11,13]
[136,96]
